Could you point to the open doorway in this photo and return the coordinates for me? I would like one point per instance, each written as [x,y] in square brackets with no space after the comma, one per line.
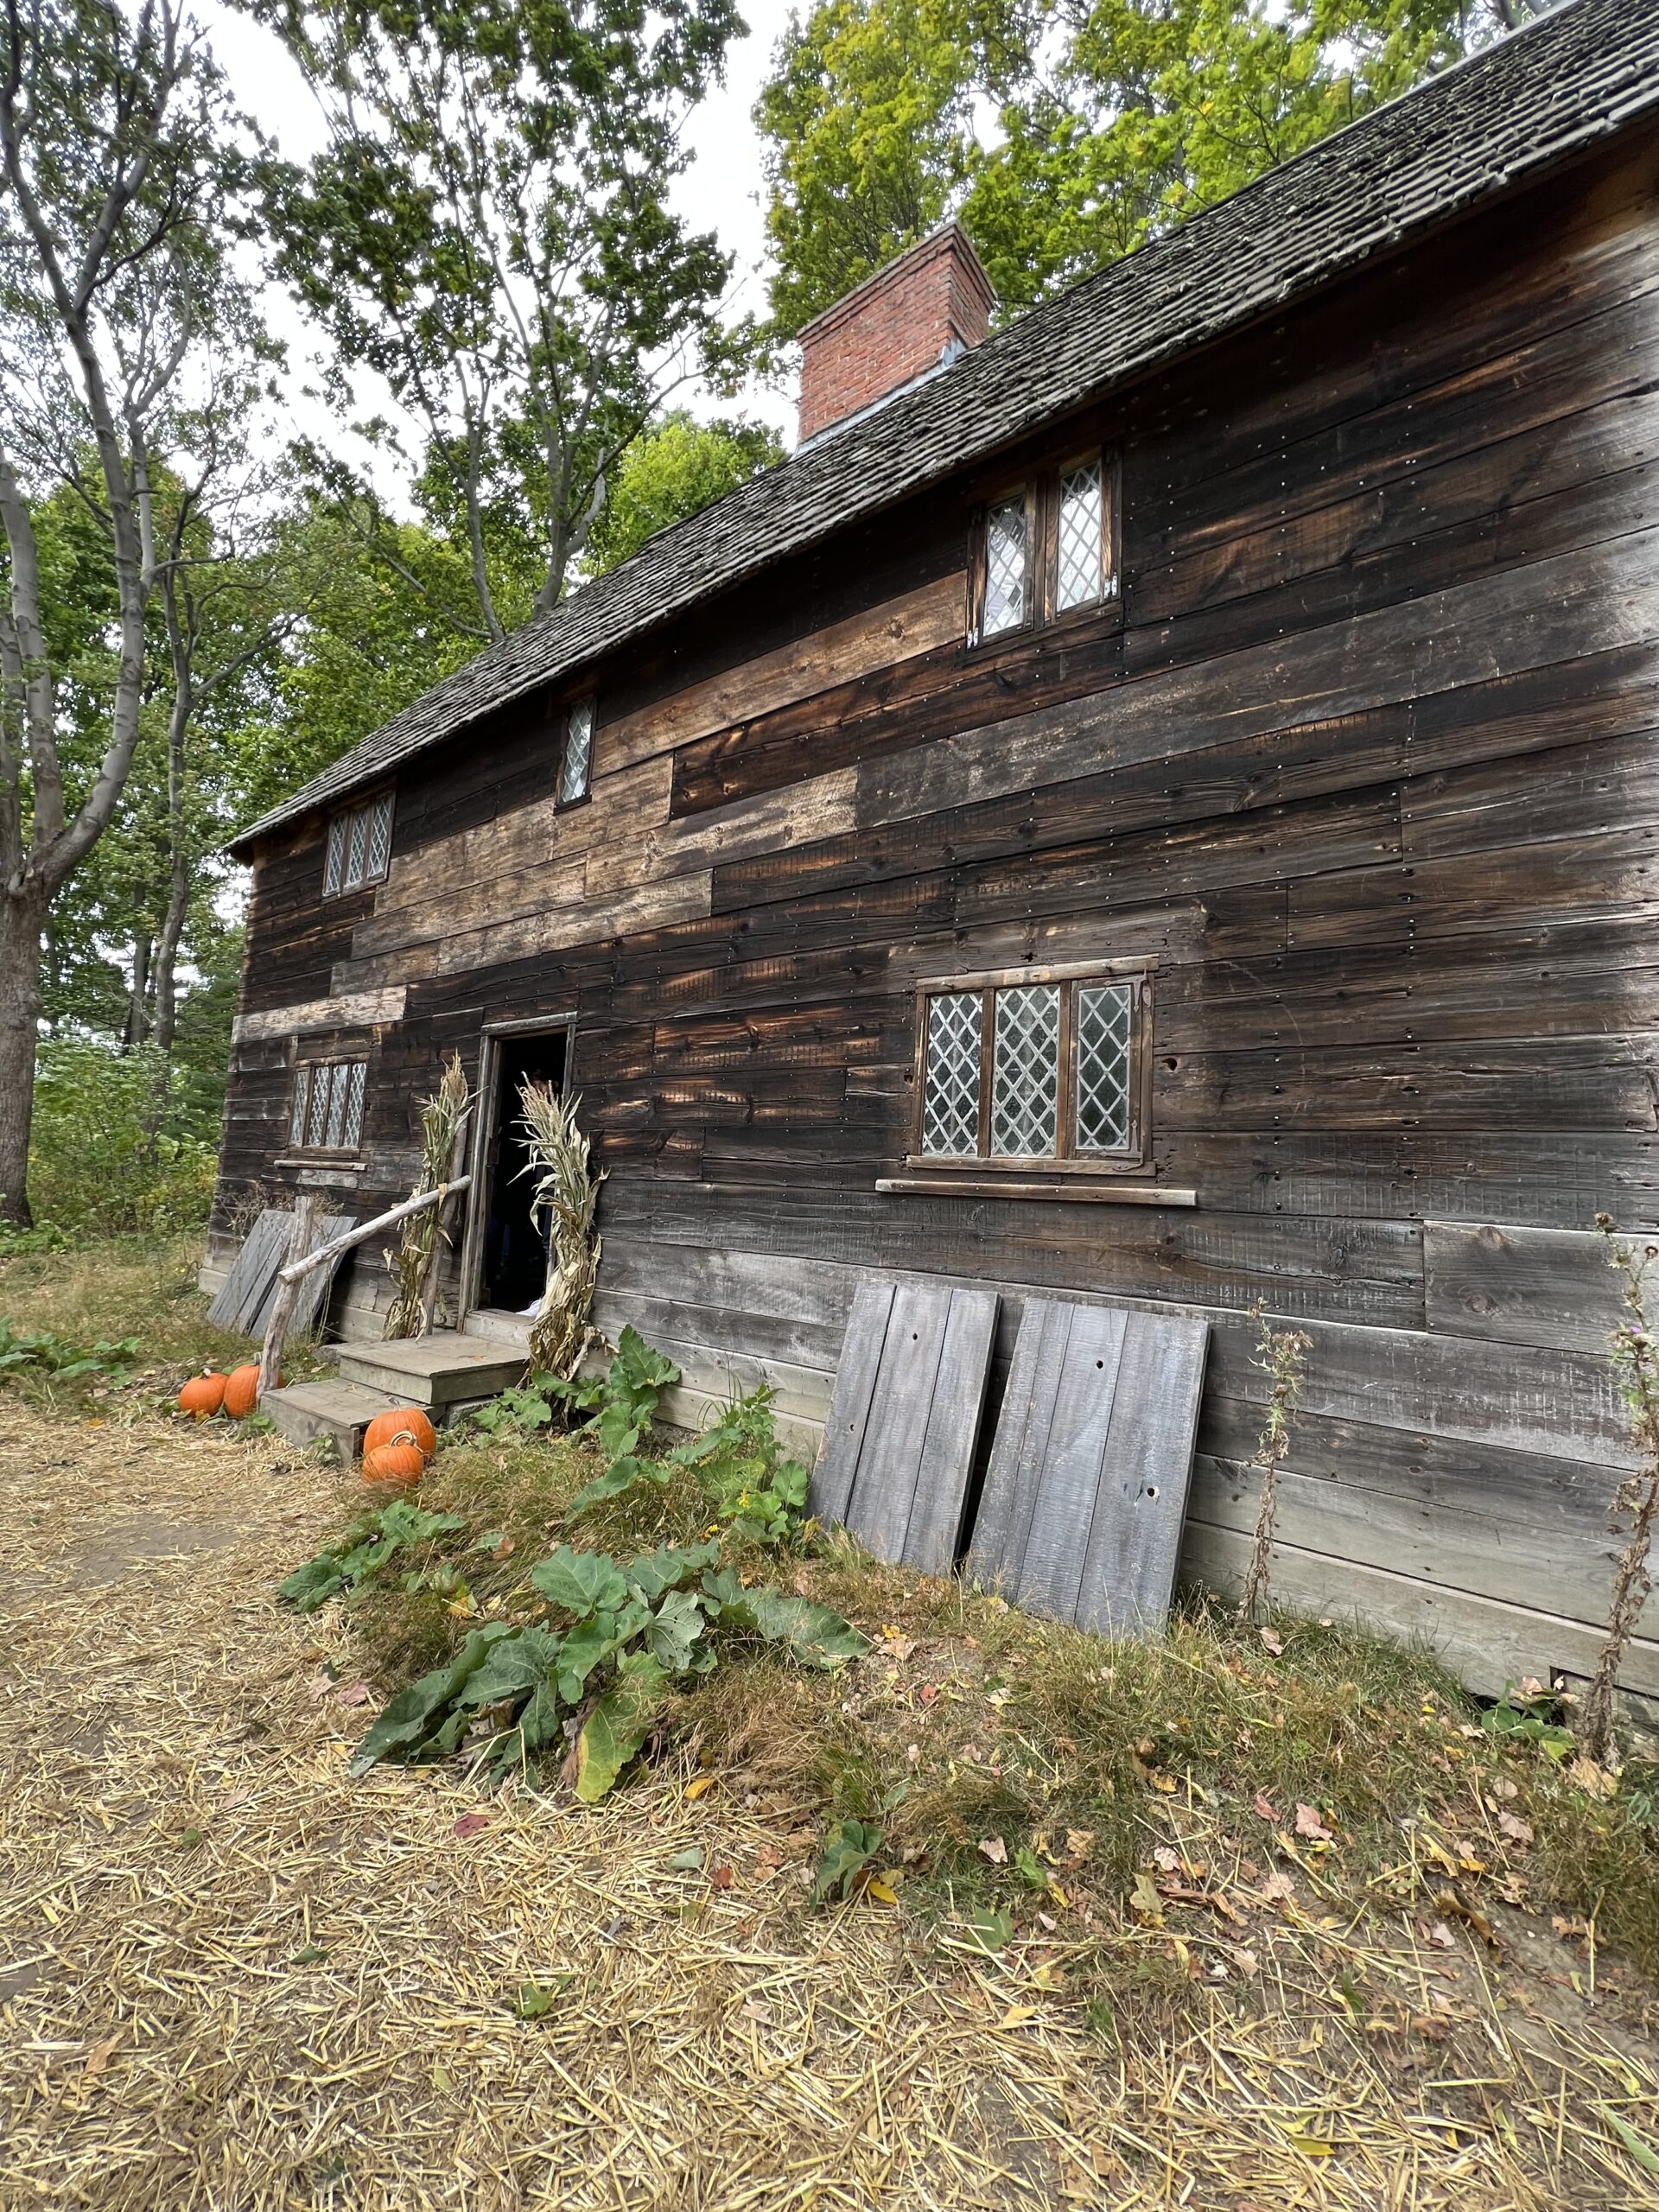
[509,1247]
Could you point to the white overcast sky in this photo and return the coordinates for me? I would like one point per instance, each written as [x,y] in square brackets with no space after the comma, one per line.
[721,191]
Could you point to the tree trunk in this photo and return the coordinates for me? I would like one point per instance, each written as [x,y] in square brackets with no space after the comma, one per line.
[167,952]
[138,997]
[23,918]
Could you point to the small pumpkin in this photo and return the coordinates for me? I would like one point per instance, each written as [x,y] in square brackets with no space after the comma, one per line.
[242,1391]
[202,1395]
[403,1425]
[394,1462]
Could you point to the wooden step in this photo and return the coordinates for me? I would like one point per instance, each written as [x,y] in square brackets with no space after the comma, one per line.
[305,1412]
[446,1368]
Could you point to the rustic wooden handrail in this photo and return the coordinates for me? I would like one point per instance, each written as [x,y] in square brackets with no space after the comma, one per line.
[297,1269]
[290,1278]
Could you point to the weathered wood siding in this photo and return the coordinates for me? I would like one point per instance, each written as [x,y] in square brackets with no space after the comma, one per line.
[1366,756]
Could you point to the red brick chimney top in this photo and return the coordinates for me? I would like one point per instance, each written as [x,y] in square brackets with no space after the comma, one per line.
[931,303]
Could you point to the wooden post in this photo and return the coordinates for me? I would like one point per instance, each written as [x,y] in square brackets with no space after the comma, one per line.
[288,1289]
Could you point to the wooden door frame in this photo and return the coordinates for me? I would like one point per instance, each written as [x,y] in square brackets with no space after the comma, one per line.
[489,1083]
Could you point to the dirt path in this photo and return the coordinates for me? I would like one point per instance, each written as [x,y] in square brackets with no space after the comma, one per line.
[231,1979]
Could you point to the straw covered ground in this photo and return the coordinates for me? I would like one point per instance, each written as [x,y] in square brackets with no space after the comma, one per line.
[233,1978]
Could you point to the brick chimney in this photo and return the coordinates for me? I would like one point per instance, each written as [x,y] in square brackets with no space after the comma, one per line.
[931,304]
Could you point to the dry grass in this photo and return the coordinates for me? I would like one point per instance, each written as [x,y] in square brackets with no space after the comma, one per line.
[233,1980]
[237,1980]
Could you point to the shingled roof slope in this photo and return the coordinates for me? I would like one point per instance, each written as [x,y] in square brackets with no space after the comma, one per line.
[1537,97]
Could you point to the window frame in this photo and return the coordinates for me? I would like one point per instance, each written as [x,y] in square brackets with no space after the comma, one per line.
[386,796]
[304,1071]
[567,707]
[1040,488]
[1129,1159]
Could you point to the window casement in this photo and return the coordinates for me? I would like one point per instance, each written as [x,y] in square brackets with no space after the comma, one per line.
[1045,549]
[1035,1070]
[360,845]
[326,1114]
[576,751]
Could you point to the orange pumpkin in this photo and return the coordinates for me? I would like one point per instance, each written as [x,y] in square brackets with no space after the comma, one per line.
[404,1425]
[201,1396]
[394,1462]
[242,1391]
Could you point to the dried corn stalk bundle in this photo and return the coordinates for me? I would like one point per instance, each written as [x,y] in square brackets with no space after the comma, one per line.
[566,1190]
[413,1265]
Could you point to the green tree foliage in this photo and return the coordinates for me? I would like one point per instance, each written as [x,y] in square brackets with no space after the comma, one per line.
[676,469]
[489,230]
[1064,133]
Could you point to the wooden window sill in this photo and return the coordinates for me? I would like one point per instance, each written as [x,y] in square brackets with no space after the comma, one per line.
[1071,1193]
[335,1166]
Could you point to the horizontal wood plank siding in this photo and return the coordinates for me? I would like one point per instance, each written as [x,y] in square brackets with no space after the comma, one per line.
[1364,758]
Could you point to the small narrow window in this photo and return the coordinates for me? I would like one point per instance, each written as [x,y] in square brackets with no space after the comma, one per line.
[327,1115]
[1046,550]
[1006,595]
[1068,1075]
[575,766]
[360,845]
[1081,537]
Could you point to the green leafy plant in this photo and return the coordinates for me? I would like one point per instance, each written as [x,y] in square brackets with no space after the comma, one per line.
[1529,1714]
[849,1847]
[624,1631]
[753,1487]
[365,1549]
[41,1352]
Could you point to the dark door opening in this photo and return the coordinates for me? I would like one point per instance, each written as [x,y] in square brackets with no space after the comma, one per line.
[512,1272]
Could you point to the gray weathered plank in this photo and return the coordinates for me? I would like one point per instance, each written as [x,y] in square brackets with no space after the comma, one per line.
[252,1271]
[904,1418]
[1553,1287]
[1084,1498]
[312,1292]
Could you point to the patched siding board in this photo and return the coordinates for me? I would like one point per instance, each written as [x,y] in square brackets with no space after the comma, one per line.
[1086,1492]
[904,1419]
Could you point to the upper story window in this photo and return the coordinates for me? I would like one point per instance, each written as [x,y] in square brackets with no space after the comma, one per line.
[360,845]
[576,751]
[326,1114]
[1036,1069]
[1045,550]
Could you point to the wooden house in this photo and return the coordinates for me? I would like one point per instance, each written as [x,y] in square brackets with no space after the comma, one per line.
[1157,799]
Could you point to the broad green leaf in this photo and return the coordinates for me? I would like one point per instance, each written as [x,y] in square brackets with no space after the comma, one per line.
[412,1715]
[618,1726]
[580,1582]
[312,1585]
[407,1523]
[617,1431]
[848,1849]
[620,1475]
[672,1636]
[515,1667]
[641,1367]
[586,1644]
[666,1568]
[811,1632]
[990,1931]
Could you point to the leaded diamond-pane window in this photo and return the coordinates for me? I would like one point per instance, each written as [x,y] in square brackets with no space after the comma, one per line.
[360,845]
[1067,1084]
[1005,567]
[1026,1071]
[1105,1053]
[950,1092]
[578,752]
[1079,562]
[327,1110]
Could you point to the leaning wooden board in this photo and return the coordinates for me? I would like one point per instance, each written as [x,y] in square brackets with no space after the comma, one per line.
[244,1299]
[904,1419]
[1081,1514]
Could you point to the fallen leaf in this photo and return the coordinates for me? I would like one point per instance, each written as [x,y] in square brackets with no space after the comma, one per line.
[928,1692]
[1309,1824]
[1048,1920]
[1017,2015]
[1166,1783]
[1595,1780]
[1262,1805]
[352,1694]
[99,2057]
[1078,1842]
[1440,1936]
[1057,1894]
[1274,1640]
[880,1888]
[1168,1859]
[695,1790]
[755,2008]
[721,1878]
[1277,1886]
[1247,1962]
[1144,1900]
[472,1824]
[993,1848]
